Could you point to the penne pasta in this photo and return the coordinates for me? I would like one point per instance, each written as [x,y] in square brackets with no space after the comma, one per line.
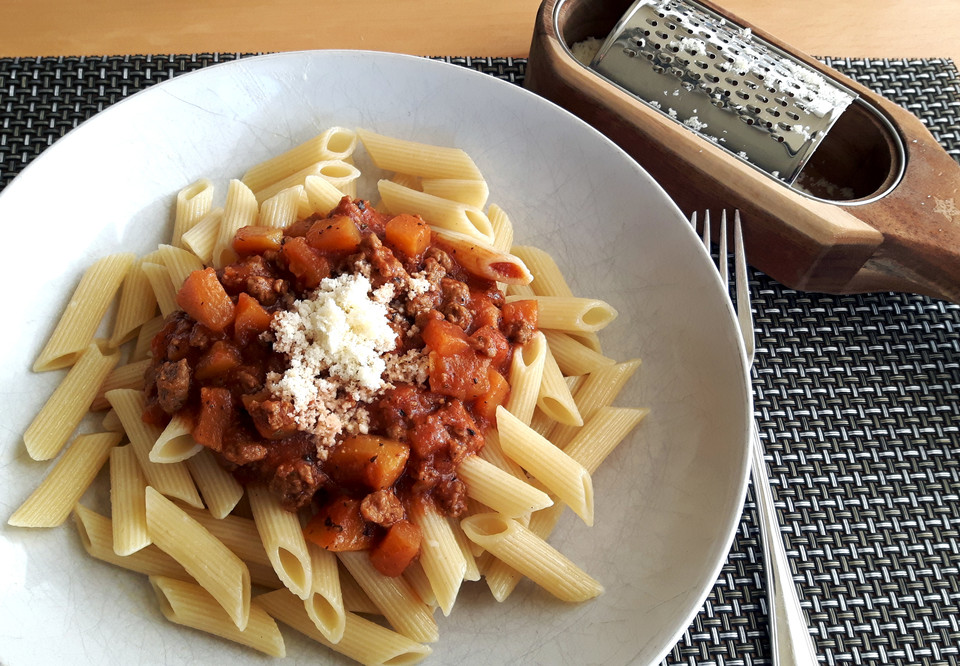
[502,228]
[554,397]
[562,475]
[96,535]
[572,314]
[523,550]
[471,192]
[363,640]
[129,376]
[548,279]
[220,491]
[180,263]
[171,479]
[282,539]
[281,210]
[499,490]
[240,210]
[598,390]
[572,356]
[441,213]
[440,555]
[321,194]
[175,443]
[193,606]
[324,605]
[66,407]
[193,204]
[417,577]
[137,305]
[111,422]
[147,332]
[160,281]
[202,238]
[128,502]
[418,159]
[51,502]
[336,143]
[399,604]
[78,324]
[482,260]
[601,434]
[355,599]
[214,566]
[526,377]
[338,173]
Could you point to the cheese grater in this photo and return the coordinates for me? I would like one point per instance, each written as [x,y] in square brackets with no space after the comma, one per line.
[841,190]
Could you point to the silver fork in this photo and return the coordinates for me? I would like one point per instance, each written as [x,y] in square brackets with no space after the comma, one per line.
[790,641]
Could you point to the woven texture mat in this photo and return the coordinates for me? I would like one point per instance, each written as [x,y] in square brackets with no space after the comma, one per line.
[856,398]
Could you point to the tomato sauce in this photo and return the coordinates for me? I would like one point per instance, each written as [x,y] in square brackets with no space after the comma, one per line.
[213,363]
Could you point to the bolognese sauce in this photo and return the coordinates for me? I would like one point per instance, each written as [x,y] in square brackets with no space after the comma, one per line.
[349,363]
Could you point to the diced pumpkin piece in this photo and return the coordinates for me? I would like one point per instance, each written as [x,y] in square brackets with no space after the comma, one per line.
[305,262]
[520,311]
[222,357]
[396,550]
[339,526]
[445,338]
[409,234]
[461,376]
[339,234]
[216,413]
[376,462]
[256,240]
[251,319]
[485,405]
[204,298]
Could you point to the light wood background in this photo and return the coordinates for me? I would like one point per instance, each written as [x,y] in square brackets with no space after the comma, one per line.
[855,28]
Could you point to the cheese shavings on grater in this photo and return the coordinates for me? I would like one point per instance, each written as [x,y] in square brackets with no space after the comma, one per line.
[756,101]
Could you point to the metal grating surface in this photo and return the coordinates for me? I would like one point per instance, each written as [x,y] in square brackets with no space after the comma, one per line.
[856,397]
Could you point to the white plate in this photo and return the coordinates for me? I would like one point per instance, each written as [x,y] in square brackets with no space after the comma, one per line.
[667,503]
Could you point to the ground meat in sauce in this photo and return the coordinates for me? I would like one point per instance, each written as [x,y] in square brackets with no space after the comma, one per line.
[262,443]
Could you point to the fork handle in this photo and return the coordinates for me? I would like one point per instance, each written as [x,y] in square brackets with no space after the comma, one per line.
[790,639]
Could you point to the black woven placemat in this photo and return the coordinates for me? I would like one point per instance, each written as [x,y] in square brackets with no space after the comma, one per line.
[856,398]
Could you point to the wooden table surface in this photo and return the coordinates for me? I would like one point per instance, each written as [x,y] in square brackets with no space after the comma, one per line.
[855,28]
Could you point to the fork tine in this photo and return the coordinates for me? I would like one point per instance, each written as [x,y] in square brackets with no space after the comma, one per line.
[722,264]
[744,311]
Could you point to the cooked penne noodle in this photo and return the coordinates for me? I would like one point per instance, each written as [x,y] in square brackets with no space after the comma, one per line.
[128,504]
[321,194]
[237,533]
[417,577]
[145,336]
[175,443]
[129,376]
[219,489]
[324,606]
[554,397]
[562,475]
[162,285]
[501,578]
[338,173]
[499,490]
[440,213]
[418,159]
[440,555]
[520,291]
[355,599]
[467,191]
[601,434]
[363,640]
[548,279]
[526,376]
[240,210]
[180,263]
[51,502]
[472,571]
[193,203]
[482,260]
[492,452]
[502,228]
[598,390]
[111,422]
[202,238]
[394,597]
[218,570]
[282,539]
[96,535]
[408,180]
[523,550]
[171,479]
[193,606]
[137,305]
[280,210]
[572,314]
[67,405]
[336,143]
[81,318]
[573,357]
